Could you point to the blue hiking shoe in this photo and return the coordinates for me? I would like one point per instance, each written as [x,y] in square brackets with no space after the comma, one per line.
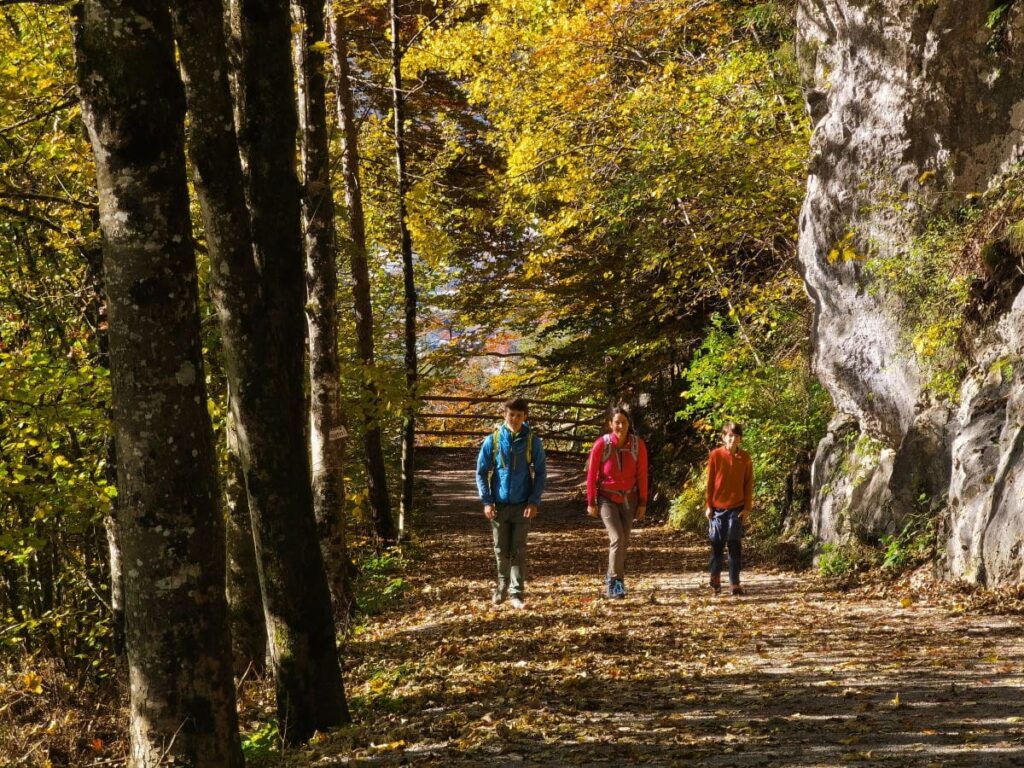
[617,589]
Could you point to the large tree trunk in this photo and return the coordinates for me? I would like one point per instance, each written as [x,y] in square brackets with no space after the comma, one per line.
[326,428]
[295,592]
[169,524]
[380,503]
[245,604]
[411,373]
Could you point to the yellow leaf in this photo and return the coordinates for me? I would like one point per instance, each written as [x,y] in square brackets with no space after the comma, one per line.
[32,683]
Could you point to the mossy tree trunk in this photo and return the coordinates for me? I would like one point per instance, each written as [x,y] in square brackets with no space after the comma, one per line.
[169,525]
[296,597]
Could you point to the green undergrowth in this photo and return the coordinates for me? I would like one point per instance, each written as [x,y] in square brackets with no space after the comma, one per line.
[382,580]
[893,554]
[950,276]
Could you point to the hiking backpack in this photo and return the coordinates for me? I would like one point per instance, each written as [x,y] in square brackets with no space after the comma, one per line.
[607,448]
[499,461]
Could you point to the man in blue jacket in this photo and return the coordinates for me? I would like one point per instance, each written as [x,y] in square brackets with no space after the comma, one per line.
[510,476]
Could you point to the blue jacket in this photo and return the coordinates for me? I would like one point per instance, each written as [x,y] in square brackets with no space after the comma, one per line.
[511,483]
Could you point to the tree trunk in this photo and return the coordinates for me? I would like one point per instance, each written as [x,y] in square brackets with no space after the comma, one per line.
[296,597]
[411,373]
[326,428]
[245,605]
[98,312]
[168,520]
[380,503]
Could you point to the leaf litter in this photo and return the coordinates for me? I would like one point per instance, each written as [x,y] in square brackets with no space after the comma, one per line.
[793,673]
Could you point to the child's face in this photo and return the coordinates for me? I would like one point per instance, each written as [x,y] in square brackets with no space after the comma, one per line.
[514,419]
[731,441]
[619,425]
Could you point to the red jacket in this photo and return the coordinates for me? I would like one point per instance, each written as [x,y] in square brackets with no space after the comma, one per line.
[619,473]
[730,480]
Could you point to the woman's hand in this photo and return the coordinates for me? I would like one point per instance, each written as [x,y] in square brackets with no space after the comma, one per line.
[640,512]
[591,510]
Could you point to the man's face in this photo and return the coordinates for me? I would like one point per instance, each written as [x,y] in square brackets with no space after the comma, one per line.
[514,419]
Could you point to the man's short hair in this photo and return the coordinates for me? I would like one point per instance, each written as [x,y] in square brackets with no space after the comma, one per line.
[516,404]
[731,427]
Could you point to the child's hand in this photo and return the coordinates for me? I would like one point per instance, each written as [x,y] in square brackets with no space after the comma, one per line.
[489,511]
[641,511]
[530,511]
[591,511]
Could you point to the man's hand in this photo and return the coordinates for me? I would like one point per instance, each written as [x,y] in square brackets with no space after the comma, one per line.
[489,512]
[591,510]
[640,512]
[745,516]
[530,511]
[708,513]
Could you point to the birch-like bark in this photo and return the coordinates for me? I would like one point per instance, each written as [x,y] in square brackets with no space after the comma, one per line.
[326,427]
[169,526]
[411,363]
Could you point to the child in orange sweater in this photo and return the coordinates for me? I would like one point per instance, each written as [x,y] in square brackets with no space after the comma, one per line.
[729,498]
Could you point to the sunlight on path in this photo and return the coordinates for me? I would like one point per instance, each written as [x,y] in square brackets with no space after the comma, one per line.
[788,675]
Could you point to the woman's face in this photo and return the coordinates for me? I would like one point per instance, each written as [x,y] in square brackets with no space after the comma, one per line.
[619,425]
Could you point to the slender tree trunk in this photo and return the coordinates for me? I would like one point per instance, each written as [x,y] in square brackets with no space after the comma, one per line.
[380,503]
[296,596]
[326,429]
[245,604]
[168,519]
[411,372]
[98,310]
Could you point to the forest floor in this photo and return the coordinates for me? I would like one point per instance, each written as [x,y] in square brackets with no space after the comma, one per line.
[794,673]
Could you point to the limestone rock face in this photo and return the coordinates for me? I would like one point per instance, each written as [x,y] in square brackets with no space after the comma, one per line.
[984,526]
[914,106]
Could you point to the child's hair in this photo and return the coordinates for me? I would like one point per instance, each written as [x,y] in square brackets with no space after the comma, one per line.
[516,404]
[732,427]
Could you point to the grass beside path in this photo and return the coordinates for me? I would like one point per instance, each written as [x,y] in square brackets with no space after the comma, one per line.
[791,674]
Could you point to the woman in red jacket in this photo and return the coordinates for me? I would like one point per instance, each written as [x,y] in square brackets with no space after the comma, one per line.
[617,490]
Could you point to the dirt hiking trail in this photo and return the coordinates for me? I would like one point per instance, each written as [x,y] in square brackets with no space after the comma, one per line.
[791,674]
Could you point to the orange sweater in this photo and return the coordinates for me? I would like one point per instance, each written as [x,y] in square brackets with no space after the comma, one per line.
[730,480]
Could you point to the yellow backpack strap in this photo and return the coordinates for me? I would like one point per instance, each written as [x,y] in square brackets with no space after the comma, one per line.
[529,450]
[499,459]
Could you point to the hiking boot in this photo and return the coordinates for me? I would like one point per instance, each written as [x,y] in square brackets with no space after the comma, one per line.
[517,602]
[498,596]
[618,589]
[608,584]
[737,589]
[716,589]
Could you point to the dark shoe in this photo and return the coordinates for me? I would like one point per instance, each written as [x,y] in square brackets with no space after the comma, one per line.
[716,589]
[737,589]
[608,587]
[499,595]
